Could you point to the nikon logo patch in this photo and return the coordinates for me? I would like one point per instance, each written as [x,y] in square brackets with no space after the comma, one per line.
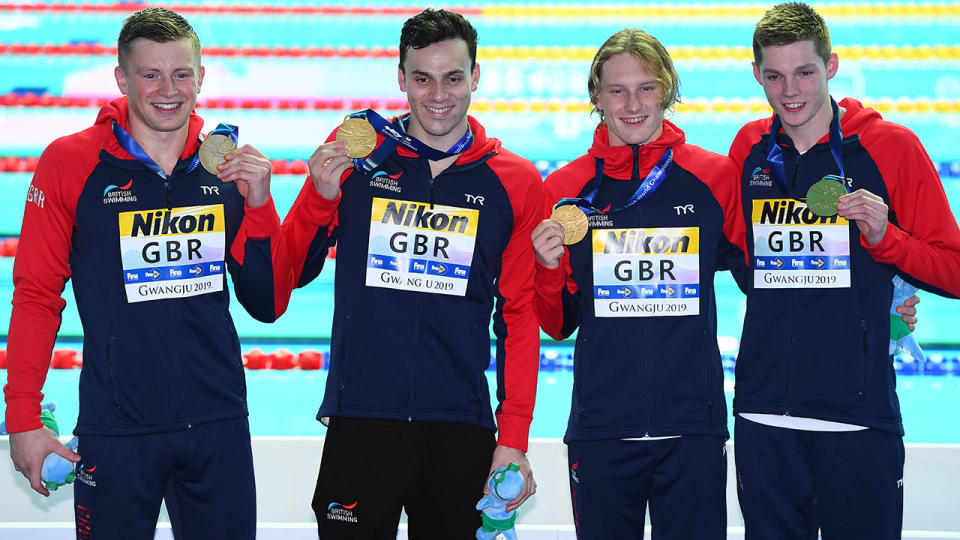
[653,272]
[418,247]
[794,248]
[172,253]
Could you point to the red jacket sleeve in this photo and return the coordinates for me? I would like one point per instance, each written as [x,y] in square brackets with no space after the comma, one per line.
[517,377]
[40,272]
[263,223]
[925,243]
[310,216]
[556,316]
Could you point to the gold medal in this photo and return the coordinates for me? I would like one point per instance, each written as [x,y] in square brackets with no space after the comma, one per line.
[574,222]
[359,135]
[823,196]
[213,149]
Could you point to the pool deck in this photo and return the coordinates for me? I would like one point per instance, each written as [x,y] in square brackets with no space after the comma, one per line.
[286,469]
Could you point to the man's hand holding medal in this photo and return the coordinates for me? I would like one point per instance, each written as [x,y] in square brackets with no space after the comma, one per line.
[245,166]
[356,139]
[567,225]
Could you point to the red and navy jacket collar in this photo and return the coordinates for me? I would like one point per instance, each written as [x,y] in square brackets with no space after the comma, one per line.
[119,110]
[481,147]
[618,160]
[855,119]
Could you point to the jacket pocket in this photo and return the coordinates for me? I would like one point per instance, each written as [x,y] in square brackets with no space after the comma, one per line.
[111,351]
[862,359]
[339,356]
[709,378]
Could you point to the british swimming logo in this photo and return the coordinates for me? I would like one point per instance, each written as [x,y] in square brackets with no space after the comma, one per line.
[340,512]
[119,194]
[384,180]
[85,475]
[760,177]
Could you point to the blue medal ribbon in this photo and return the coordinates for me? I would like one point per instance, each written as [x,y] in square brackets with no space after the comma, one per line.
[775,153]
[128,143]
[647,187]
[396,135]
[229,130]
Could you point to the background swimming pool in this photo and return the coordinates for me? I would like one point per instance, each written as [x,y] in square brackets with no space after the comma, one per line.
[287,72]
[285,403]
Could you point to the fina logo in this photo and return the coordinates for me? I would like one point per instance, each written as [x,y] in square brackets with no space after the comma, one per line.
[760,177]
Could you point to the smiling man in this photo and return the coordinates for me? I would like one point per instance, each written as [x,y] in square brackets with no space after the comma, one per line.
[432,235]
[124,210]
[648,422]
[818,426]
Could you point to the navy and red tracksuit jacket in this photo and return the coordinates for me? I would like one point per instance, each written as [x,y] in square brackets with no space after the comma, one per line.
[148,366]
[823,352]
[644,376]
[410,355]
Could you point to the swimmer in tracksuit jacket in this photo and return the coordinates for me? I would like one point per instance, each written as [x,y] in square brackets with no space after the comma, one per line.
[124,210]
[818,425]
[432,242]
[648,421]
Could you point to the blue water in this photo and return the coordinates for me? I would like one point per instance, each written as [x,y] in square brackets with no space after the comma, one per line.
[285,403]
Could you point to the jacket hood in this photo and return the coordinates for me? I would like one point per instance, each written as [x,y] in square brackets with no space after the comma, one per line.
[480,147]
[618,160]
[856,117]
[119,110]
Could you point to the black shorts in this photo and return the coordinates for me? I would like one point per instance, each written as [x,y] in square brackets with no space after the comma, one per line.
[372,468]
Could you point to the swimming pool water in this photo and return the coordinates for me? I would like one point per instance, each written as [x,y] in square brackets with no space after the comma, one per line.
[285,403]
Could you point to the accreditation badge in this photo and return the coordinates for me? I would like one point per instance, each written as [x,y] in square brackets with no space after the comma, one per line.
[646,272]
[172,253]
[418,247]
[794,248]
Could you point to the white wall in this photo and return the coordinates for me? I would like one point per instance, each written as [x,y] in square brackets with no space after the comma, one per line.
[286,470]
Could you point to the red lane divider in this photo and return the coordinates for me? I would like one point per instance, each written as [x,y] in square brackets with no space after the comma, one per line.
[8,248]
[283,359]
[16,164]
[30,99]
[247,9]
[100,49]
[255,359]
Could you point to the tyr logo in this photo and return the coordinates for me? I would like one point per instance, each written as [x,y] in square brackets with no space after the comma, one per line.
[210,190]
[684,209]
[474,199]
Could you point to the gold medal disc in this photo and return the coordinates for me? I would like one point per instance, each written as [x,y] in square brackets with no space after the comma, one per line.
[213,149]
[359,135]
[574,222]
[823,196]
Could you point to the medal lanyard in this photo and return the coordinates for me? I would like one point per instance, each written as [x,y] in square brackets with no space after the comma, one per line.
[401,138]
[133,148]
[650,184]
[775,153]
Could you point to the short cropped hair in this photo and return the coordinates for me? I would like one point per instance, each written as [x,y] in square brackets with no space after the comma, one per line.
[788,23]
[156,24]
[433,26]
[650,51]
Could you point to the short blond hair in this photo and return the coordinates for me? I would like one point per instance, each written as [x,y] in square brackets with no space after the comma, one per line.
[650,51]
